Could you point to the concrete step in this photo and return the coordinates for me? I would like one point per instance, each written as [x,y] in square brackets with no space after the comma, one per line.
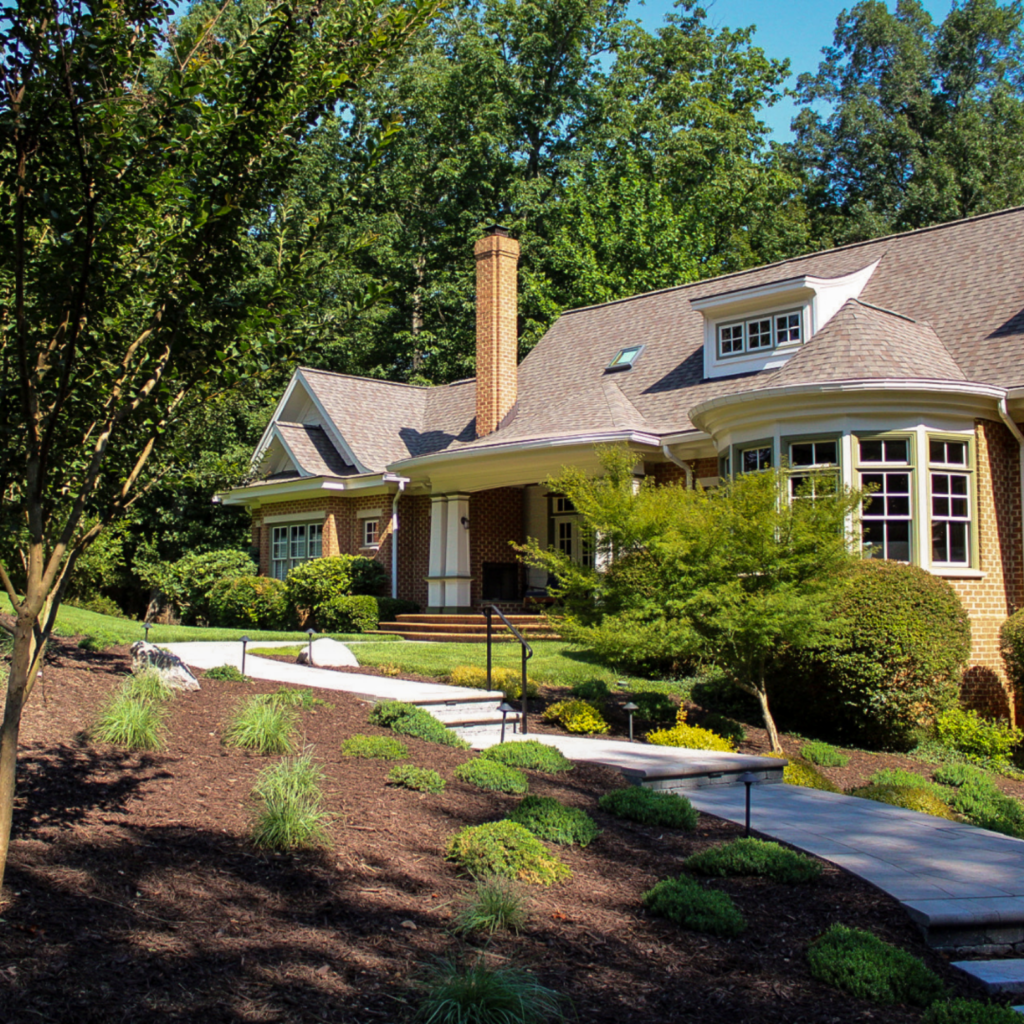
[471,620]
[458,722]
[462,638]
[997,977]
[987,923]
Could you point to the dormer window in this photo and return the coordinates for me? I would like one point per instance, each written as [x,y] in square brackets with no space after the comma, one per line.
[761,334]
[625,358]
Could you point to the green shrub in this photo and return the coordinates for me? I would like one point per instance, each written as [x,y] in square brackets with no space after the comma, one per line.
[866,967]
[979,800]
[382,748]
[901,640]
[492,775]
[264,727]
[594,691]
[293,697]
[969,1011]
[531,754]
[1011,637]
[682,734]
[126,721]
[754,857]
[147,684]
[226,674]
[688,904]
[907,797]
[957,773]
[506,680]
[507,849]
[714,691]
[547,818]
[320,580]
[576,716]
[98,603]
[290,814]
[824,754]
[498,904]
[347,613]
[484,995]
[423,780]
[250,602]
[648,807]
[908,779]
[654,706]
[800,773]
[977,737]
[724,726]
[97,642]
[389,608]
[410,720]
[189,583]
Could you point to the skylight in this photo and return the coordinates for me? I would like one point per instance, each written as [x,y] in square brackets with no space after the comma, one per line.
[626,357]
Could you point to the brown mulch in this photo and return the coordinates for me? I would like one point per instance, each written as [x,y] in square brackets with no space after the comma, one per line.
[132,894]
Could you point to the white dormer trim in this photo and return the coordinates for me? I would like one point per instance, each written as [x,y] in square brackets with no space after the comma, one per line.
[817,299]
[279,437]
[330,429]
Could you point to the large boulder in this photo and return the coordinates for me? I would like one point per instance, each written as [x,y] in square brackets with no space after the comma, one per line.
[173,671]
[328,653]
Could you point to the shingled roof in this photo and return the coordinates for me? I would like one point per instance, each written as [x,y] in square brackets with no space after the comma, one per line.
[943,303]
[313,450]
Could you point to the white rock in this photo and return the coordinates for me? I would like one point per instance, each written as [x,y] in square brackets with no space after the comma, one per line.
[328,653]
[174,672]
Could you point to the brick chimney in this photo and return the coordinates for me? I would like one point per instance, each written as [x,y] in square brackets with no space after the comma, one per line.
[497,342]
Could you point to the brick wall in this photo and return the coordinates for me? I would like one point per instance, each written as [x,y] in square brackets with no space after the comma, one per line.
[497,329]
[670,473]
[1001,592]
[496,517]
[413,547]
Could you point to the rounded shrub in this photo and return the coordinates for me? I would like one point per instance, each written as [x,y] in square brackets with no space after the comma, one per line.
[800,773]
[750,856]
[409,720]
[389,608]
[899,646]
[1011,637]
[977,737]
[380,748]
[669,810]
[250,602]
[682,734]
[506,680]
[969,1011]
[546,817]
[422,780]
[655,706]
[531,754]
[97,642]
[824,754]
[688,904]
[226,674]
[908,797]
[486,774]
[576,716]
[505,848]
[317,581]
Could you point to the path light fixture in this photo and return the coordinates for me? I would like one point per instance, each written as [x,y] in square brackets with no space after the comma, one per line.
[147,626]
[630,707]
[245,640]
[748,779]
[504,707]
[310,632]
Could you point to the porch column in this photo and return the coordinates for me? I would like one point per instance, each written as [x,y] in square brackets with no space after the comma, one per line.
[457,566]
[438,545]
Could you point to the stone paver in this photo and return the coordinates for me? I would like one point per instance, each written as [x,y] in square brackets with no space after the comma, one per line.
[996,976]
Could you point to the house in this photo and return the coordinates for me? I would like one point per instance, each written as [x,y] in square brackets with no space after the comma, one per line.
[897,362]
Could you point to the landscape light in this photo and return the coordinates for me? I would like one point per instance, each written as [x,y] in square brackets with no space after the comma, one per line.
[504,708]
[309,633]
[147,626]
[245,640]
[748,779]
[630,707]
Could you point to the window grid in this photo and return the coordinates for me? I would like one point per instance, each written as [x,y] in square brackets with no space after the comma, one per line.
[292,545]
[753,460]
[813,466]
[759,334]
[370,533]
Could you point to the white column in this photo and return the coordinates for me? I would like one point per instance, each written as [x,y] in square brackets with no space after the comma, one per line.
[438,547]
[457,570]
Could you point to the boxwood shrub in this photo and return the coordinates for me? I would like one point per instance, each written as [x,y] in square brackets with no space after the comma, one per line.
[544,816]
[491,775]
[531,754]
[250,602]
[409,720]
[409,776]
[507,849]
[347,613]
[650,808]
[1011,637]
[687,903]
[754,857]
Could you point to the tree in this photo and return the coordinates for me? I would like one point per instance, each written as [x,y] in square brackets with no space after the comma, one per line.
[921,124]
[737,576]
[134,168]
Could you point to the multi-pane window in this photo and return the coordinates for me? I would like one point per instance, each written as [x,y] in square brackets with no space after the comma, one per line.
[812,468]
[370,535]
[886,513]
[564,506]
[292,545]
[951,503]
[752,460]
[759,334]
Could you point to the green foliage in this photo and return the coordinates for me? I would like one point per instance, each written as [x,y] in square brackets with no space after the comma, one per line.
[984,805]
[243,602]
[690,736]
[957,773]
[99,604]
[712,690]
[864,966]
[410,720]
[969,1011]
[895,656]
[262,726]
[977,737]
[912,780]
[648,807]
[347,613]
[482,995]
[487,774]
[497,904]
[289,813]
[532,754]
[800,773]
[576,716]
[912,799]
[226,674]
[98,642]
[316,585]
[688,904]
[423,780]
[188,581]
[724,726]
[389,608]
[546,817]
[130,722]
[824,754]
[507,681]
[754,857]
[656,707]
[594,691]
[383,748]
[1011,638]
[507,849]
[293,697]
[147,684]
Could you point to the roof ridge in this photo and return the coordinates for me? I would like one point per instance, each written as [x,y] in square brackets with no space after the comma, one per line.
[372,380]
[793,259]
[883,309]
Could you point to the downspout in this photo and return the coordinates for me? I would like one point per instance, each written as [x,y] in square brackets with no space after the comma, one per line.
[401,481]
[684,466]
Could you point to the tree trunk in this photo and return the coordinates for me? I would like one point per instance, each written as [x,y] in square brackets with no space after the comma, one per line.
[769,722]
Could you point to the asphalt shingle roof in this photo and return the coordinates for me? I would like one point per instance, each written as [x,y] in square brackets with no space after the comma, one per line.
[314,450]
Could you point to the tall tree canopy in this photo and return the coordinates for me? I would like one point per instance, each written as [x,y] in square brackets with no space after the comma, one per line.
[910,123]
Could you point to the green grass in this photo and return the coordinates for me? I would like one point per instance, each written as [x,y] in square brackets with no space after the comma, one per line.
[130,722]
[263,727]
[289,814]
[866,967]
[754,857]
[422,780]
[380,748]
[532,754]
[506,849]
[498,904]
[147,684]
[546,818]
[492,775]
[482,995]
[650,808]
[688,904]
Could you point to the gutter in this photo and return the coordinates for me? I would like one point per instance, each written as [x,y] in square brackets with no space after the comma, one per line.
[685,466]
[401,481]
[1004,415]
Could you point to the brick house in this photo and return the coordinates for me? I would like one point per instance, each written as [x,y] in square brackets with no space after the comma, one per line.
[897,362]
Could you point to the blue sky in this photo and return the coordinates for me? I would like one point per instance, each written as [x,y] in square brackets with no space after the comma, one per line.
[797,29]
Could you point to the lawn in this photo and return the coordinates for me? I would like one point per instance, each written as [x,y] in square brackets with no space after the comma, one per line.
[78,621]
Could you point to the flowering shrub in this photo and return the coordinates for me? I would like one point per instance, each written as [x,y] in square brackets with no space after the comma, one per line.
[576,716]
[692,736]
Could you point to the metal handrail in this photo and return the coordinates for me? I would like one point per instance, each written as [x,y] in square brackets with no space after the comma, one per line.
[527,652]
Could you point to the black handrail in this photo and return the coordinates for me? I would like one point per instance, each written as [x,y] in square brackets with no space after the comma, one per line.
[527,652]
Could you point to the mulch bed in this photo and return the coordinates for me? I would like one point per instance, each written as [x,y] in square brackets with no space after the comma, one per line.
[132,894]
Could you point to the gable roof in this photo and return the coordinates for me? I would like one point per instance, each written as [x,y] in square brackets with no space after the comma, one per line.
[313,450]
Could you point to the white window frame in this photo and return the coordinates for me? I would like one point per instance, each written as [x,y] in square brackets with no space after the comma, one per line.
[879,507]
[950,509]
[816,470]
[759,448]
[291,544]
[371,535]
[756,334]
